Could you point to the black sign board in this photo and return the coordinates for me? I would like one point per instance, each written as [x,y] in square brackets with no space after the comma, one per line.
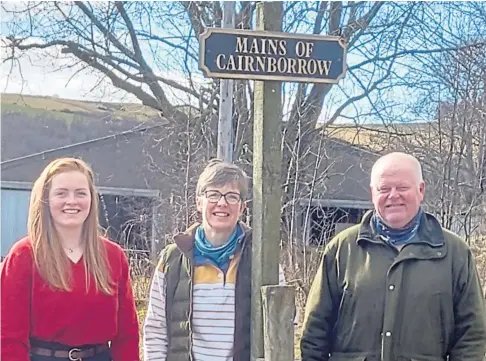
[262,55]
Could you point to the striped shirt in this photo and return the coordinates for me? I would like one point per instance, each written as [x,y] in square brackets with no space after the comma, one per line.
[213,321]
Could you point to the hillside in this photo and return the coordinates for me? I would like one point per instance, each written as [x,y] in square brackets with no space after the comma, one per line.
[67,108]
[377,137]
[33,124]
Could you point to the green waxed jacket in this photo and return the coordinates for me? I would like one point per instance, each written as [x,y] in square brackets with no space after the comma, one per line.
[370,301]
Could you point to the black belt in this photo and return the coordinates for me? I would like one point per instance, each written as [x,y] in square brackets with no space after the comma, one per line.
[74,354]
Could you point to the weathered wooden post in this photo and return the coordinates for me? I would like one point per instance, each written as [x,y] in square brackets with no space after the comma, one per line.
[269,57]
[225,120]
[267,181]
[278,322]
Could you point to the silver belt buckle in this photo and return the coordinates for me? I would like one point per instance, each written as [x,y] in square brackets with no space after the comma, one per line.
[71,357]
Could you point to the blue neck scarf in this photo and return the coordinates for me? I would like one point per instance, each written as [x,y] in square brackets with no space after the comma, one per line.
[397,237]
[218,255]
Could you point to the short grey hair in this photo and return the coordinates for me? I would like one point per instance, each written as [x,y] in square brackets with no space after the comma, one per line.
[396,157]
[219,173]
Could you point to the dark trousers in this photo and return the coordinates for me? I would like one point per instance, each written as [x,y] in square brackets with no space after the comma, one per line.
[103,356]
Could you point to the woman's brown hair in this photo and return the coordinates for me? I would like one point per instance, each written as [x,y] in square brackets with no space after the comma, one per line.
[50,258]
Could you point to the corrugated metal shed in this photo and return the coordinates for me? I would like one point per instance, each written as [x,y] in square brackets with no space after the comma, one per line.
[15,208]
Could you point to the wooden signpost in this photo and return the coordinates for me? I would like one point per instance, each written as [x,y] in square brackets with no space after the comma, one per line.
[269,57]
[225,116]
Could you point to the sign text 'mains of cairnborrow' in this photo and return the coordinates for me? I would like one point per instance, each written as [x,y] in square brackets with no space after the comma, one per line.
[247,54]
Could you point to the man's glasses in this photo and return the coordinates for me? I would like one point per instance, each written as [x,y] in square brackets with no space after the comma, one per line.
[215,196]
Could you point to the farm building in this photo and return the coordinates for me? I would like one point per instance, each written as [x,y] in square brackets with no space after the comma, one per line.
[137,158]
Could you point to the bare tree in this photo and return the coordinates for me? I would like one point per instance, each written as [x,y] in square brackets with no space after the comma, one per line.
[451,139]
[150,50]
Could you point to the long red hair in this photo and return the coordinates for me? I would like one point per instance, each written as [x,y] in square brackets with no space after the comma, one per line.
[50,258]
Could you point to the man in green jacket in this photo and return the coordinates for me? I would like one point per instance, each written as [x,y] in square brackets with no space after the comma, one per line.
[397,287]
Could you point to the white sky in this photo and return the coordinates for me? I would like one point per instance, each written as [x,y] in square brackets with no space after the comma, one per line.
[36,75]
[55,75]
[46,76]
[36,80]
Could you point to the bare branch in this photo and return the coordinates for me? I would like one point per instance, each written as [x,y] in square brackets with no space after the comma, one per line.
[109,36]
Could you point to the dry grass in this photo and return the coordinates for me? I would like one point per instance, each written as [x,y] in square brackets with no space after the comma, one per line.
[141,311]
[141,288]
[298,335]
[36,104]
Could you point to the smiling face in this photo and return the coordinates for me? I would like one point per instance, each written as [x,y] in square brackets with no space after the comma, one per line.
[397,191]
[220,215]
[69,200]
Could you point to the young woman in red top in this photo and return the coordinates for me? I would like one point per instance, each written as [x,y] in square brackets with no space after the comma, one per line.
[66,291]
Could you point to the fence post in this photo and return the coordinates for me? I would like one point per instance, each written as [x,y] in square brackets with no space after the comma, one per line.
[278,303]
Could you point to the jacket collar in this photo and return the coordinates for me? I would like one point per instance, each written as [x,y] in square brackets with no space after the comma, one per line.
[429,233]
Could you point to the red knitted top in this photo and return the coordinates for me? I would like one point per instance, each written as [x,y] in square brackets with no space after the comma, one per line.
[31,308]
